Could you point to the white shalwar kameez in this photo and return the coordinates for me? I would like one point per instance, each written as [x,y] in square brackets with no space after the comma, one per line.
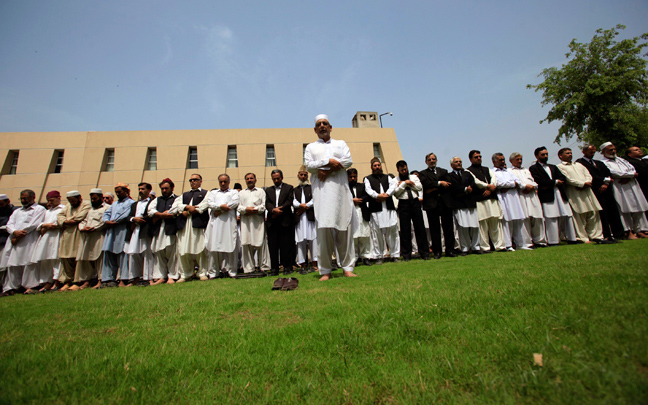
[490,214]
[190,240]
[533,218]
[333,204]
[513,221]
[165,251]
[384,224]
[362,236]
[584,204]
[558,216]
[253,237]
[221,235]
[17,258]
[629,197]
[305,233]
[138,249]
[467,226]
[45,256]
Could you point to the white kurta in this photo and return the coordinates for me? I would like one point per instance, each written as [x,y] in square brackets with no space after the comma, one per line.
[385,218]
[22,219]
[466,217]
[530,202]
[508,195]
[304,229]
[138,243]
[161,240]
[333,202]
[91,242]
[221,234]
[581,200]
[191,241]
[489,208]
[629,196]
[253,225]
[48,243]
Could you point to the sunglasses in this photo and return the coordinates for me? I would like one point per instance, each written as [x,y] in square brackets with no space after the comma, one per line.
[190,180]
[322,123]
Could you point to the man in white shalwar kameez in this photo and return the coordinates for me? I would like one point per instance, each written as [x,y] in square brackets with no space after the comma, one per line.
[464,207]
[362,234]
[46,251]
[253,238]
[138,247]
[531,205]
[192,205]
[69,219]
[509,199]
[221,235]
[305,226]
[23,236]
[327,159]
[165,228]
[584,203]
[627,192]
[384,219]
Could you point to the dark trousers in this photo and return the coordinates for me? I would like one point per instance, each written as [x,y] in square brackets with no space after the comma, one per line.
[409,211]
[281,244]
[437,217]
[610,216]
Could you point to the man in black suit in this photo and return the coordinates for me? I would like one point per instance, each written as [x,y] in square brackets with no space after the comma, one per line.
[362,235]
[280,224]
[435,196]
[602,187]
[635,156]
[462,201]
[556,209]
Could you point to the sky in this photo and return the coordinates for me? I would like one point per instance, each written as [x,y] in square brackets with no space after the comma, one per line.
[453,73]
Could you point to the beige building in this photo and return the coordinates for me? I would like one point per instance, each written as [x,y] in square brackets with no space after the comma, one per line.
[64,161]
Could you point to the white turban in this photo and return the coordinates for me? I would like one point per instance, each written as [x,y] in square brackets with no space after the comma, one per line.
[73,193]
[605,145]
[96,191]
[321,117]
[3,197]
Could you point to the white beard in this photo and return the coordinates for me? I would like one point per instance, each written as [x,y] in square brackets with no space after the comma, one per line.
[610,155]
[302,183]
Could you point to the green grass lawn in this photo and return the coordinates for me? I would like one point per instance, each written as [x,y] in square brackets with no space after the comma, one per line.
[449,330]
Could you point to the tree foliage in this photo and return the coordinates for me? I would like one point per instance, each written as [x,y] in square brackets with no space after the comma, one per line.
[601,93]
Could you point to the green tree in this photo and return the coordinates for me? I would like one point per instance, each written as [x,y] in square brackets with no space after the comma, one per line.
[601,93]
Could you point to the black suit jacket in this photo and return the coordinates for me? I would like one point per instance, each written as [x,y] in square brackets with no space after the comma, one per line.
[433,193]
[359,192]
[286,197]
[546,184]
[599,171]
[641,165]
[457,194]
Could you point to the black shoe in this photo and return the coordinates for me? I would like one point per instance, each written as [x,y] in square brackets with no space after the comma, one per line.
[539,246]
[464,253]
[366,262]
[575,242]
[448,254]
[274,272]
[425,257]
[396,260]
[613,240]
[477,252]
[379,262]
[437,256]
[405,259]
[490,251]
[287,271]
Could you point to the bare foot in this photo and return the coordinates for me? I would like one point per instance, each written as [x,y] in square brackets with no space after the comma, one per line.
[65,287]
[641,235]
[170,281]
[204,278]
[84,285]
[182,280]
[325,277]
[121,284]
[96,287]
[30,291]
[46,287]
[159,281]
[74,288]
[350,274]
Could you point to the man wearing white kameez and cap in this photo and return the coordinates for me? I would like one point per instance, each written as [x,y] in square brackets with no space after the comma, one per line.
[384,220]
[253,237]
[46,251]
[164,230]
[531,205]
[627,192]
[69,219]
[90,257]
[305,226]
[22,239]
[138,246]
[221,235]
[327,159]
[508,196]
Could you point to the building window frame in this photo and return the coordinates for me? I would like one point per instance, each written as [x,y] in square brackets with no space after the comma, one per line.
[232,157]
[109,160]
[377,151]
[151,159]
[192,157]
[271,156]
[12,162]
[58,161]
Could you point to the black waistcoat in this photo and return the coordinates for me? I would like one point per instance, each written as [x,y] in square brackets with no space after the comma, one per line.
[483,174]
[308,193]
[170,224]
[376,182]
[198,221]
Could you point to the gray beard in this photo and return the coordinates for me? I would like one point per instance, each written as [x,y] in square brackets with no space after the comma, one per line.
[303,183]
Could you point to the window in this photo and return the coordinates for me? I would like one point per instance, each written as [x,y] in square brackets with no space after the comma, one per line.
[12,158]
[304,153]
[376,151]
[271,161]
[232,158]
[58,165]
[109,160]
[192,162]
[151,159]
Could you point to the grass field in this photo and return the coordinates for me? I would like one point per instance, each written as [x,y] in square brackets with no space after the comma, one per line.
[450,330]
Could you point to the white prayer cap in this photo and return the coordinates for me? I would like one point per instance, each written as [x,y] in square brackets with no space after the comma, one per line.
[605,145]
[3,197]
[73,193]
[96,191]
[321,117]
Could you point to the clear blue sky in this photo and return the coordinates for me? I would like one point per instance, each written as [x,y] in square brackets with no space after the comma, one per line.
[452,72]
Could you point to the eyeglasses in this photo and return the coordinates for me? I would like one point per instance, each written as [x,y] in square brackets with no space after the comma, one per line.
[190,180]
[322,123]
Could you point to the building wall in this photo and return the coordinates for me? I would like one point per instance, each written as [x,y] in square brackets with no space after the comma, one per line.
[85,152]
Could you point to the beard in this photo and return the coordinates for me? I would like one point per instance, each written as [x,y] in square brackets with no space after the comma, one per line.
[353,183]
[96,204]
[609,155]
[302,183]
